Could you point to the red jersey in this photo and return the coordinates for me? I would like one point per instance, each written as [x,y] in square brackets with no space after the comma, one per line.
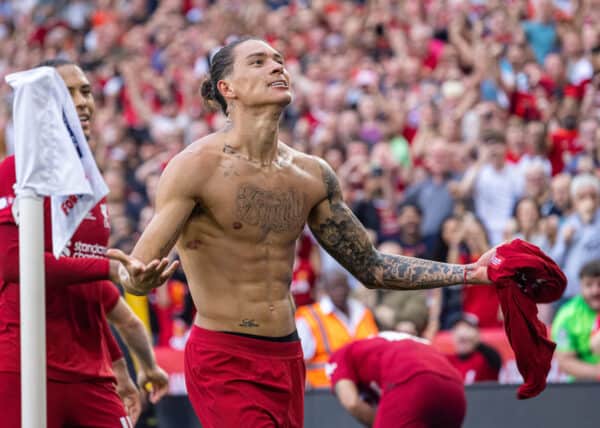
[303,283]
[79,344]
[480,301]
[482,365]
[391,358]
[304,277]
[564,144]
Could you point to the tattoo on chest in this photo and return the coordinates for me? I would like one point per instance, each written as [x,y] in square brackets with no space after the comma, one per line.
[249,323]
[279,211]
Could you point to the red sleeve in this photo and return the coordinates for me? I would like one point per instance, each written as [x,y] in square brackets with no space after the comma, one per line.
[110,296]
[113,347]
[62,272]
[7,193]
[340,366]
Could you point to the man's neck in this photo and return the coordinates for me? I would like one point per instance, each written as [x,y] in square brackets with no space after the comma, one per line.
[498,166]
[343,309]
[409,238]
[439,177]
[254,133]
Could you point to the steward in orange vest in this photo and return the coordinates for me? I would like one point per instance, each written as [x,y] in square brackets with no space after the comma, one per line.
[329,324]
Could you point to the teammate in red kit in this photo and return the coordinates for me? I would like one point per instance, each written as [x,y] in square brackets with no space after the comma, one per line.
[414,384]
[87,375]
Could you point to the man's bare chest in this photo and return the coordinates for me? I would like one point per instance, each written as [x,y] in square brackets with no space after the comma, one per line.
[257,206]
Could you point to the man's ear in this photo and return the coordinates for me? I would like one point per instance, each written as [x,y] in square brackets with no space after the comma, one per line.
[226,89]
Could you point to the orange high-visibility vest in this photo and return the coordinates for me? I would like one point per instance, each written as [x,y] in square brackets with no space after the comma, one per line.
[330,334]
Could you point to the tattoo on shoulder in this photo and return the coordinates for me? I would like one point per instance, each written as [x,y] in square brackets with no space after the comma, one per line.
[331,183]
[248,323]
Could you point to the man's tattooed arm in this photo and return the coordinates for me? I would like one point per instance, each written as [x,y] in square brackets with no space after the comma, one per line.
[344,237]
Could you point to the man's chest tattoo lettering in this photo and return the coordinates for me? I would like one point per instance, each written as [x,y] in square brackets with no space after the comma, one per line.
[279,211]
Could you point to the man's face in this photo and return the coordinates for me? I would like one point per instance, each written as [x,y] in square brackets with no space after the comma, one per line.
[535,182]
[81,93]
[553,66]
[560,190]
[515,138]
[466,338]
[587,134]
[586,202]
[337,288]
[496,152]
[590,290]
[259,77]
[438,158]
[409,220]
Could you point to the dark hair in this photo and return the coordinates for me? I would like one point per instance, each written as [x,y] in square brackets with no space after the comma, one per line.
[492,136]
[221,65]
[531,199]
[406,205]
[55,63]
[590,269]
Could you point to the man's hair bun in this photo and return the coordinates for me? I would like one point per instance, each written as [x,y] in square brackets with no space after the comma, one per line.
[207,90]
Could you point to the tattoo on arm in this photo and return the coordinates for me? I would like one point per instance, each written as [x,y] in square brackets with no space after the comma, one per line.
[248,323]
[166,248]
[403,272]
[345,238]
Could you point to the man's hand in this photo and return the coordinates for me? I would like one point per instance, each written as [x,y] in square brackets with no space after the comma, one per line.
[139,278]
[155,381]
[477,272]
[130,396]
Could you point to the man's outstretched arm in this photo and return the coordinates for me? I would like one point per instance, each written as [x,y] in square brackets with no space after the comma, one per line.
[343,236]
[148,267]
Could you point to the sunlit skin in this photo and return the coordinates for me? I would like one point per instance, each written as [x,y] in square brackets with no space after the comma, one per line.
[234,203]
[590,290]
[81,92]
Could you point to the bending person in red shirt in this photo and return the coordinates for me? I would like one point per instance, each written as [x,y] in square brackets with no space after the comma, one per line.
[86,375]
[414,385]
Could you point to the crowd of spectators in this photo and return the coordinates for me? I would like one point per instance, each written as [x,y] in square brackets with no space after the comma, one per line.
[452,124]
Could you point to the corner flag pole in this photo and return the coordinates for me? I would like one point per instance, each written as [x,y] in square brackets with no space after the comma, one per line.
[32,309]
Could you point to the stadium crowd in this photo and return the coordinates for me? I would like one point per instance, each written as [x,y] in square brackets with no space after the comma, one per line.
[452,124]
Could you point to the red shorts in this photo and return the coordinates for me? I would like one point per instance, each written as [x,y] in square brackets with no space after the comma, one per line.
[426,400]
[84,404]
[235,381]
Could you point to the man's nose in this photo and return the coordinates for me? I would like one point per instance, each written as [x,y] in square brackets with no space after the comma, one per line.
[78,99]
[277,67]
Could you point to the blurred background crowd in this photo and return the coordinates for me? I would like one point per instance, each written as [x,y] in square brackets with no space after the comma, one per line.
[452,125]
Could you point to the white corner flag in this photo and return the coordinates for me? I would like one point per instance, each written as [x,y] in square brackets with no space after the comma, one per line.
[52,158]
[51,153]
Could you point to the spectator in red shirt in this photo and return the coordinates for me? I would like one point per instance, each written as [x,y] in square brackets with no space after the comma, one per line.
[563,139]
[304,276]
[412,384]
[467,243]
[475,360]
